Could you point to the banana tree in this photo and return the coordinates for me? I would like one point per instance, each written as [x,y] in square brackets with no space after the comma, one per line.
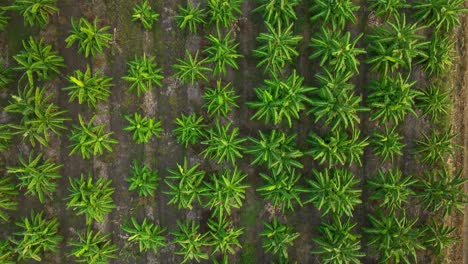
[37,235]
[142,179]
[395,45]
[222,51]
[39,116]
[335,13]
[440,55]
[89,87]
[92,247]
[440,236]
[282,98]
[391,189]
[277,238]
[223,143]
[191,69]
[185,185]
[8,192]
[334,191]
[435,146]
[38,61]
[7,253]
[90,139]
[440,191]
[37,176]
[6,74]
[276,150]
[143,128]
[335,102]
[395,238]
[148,235]
[190,241]
[90,38]
[35,12]
[143,74]
[93,199]
[225,191]
[3,20]
[337,147]
[278,11]
[337,51]
[391,99]
[144,14]
[387,144]
[223,12]
[6,135]
[190,129]
[277,48]
[337,243]
[282,189]
[434,101]
[191,17]
[223,236]
[443,15]
[220,100]
[387,9]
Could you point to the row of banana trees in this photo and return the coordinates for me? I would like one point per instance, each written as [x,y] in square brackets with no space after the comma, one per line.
[393,49]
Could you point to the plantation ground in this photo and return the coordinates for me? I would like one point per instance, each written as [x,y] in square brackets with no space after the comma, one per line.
[167,43]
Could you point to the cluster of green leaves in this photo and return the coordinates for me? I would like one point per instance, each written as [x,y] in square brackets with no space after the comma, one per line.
[337,147]
[224,236]
[337,51]
[281,98]
[220,100]
[6,252]
[435,146]
[36,176]
[143,128]
[222,51]
[434,101]
[225,191]
[190,241]
[148,235]
[144,14]
[277,238]
[440,55]
[337,244]
[143,74]
[277,151]
[6,76]
[142,179]
[387,144]
[391,189]
[6,135]
[335,13]
[282,189]
[440,236]
[395,45]
[278,11]
[395,238]
[92,199]
[190,129]
[93,248]
[223,143]
[335,101]
[88,87]
[441,14]
[37,235]
[38,60]
[334,191]
[191,69]
[278,47]
[185,185]
[440,191]
[39,117]
[388,8]
[223,12]
[391,98]
[90,139]
[35,12]
[91,39]
[3,20]
[8,192]
[190,17]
